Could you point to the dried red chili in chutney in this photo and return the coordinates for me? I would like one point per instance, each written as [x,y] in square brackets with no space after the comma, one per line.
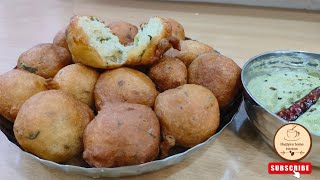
[301,106]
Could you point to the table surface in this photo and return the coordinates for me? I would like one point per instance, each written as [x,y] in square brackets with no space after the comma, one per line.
[237,32]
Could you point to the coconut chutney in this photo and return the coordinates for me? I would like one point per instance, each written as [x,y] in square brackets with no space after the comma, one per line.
[281,89]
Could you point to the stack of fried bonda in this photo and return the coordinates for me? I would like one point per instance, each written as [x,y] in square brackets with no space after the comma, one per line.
[84,93]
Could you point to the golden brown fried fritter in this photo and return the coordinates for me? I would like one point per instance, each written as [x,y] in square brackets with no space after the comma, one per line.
[92,43]
[78,80]
[219,74]
[125,85]
[125,31]
[177,29]
[169,73]
[50,125]
[44,60]
[16,86]
[152,41]
[60,39]
[190,50]
[122,134]
[188,115]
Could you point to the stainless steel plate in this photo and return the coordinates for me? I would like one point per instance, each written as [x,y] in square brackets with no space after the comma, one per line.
[176,156]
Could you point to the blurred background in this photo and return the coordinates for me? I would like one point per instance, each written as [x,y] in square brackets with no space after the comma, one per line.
[294,4]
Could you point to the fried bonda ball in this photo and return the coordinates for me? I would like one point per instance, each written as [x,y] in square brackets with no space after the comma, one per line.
[60,39]
[122,134]
[190,50]
[219,74]
[50,125]
[125,31]
[78,80]
[92,43]
[177,29]
[125,85]
[16,86]
[188,115]
[151,42]
[44,60]
[169,73]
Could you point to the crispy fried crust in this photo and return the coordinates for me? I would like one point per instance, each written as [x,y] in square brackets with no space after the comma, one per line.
[16,86]
[79,46]
[44,60]
[156,48]
[190,50]
[78,80]
[169,73]
[177,29]
[219,74]
[122,134]
[125,85]
[125,31]
[147,54]
[60,39]
[188,114]
[51,124]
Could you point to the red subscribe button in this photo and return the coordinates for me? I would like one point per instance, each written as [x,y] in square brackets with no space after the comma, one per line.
[289,167]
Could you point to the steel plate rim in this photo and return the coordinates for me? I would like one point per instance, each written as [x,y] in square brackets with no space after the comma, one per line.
[176,157]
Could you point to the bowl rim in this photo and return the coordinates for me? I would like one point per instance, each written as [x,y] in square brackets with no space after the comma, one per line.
[253,97]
